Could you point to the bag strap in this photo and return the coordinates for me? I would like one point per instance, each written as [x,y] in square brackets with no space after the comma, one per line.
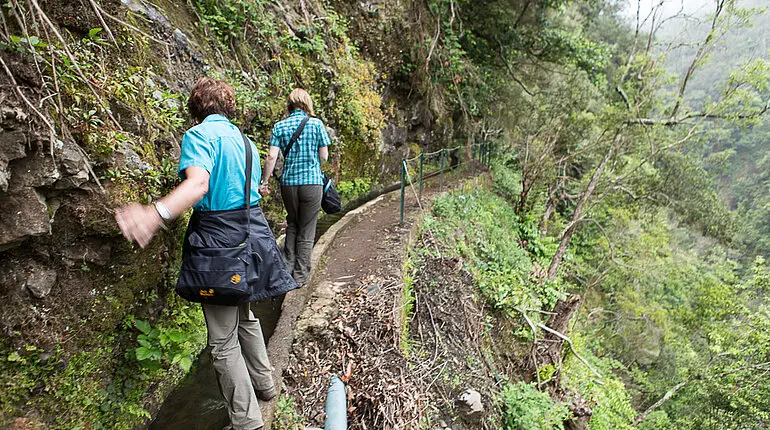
[247,187]
[295,136]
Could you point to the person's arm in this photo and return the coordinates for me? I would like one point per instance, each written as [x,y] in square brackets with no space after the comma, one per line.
[139,223]
[323,144]
[323,154]
[267,172]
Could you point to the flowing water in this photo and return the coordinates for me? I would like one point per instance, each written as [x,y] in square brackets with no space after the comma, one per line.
[196,404]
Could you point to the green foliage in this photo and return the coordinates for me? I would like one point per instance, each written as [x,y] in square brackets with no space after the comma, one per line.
[612,408]
[144,185]
[482,227]
[350,190]
[103,386]
[506,182]
[286,415]
[524,407]
[159,345]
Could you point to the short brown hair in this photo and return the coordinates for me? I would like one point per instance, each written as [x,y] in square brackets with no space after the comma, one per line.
[211,96]
[299,99]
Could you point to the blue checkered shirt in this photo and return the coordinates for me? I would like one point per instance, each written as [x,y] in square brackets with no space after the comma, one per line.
[302,166]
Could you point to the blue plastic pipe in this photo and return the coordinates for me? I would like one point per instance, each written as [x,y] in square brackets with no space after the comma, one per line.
[336,406]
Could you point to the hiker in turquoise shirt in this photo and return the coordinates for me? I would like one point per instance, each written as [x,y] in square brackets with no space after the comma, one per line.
[213,168]
[217,138]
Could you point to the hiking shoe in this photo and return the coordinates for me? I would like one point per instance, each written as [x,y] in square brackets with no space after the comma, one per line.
[266,395]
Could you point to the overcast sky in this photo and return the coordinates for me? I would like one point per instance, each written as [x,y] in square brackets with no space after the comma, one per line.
[670,7]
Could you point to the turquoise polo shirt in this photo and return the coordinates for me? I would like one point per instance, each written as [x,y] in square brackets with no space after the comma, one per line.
[302,165]
[217,146]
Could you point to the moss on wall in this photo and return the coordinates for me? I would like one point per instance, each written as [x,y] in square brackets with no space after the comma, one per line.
[73,357]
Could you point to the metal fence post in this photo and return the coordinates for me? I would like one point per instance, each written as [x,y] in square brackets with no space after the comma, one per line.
[441,172]
[403,187]
[483,151]
[473,157]
[422,158]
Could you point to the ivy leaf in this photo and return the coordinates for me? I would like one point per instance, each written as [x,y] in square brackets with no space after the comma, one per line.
[177,336]
[143,326]
[185,363]
[143,353]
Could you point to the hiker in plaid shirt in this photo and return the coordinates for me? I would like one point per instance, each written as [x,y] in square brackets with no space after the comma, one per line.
[301,180]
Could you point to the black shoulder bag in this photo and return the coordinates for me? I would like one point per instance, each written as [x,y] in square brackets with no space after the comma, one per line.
[330,201]
[218,264]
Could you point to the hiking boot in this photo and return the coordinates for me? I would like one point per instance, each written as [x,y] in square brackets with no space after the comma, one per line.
[267,394]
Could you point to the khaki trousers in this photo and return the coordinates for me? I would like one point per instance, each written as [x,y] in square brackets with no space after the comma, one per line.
[303,203]
[240,361]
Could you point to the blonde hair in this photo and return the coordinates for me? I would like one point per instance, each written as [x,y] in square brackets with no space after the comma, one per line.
[299,99]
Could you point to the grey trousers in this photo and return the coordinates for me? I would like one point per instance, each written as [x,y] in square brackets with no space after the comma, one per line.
[302,206]
[240,361]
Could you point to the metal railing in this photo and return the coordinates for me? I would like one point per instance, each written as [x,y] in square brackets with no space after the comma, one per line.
[481,155]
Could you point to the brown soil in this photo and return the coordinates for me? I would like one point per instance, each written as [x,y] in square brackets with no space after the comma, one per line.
[353,318]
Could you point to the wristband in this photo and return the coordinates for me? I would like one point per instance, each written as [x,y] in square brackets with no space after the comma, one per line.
[163,211]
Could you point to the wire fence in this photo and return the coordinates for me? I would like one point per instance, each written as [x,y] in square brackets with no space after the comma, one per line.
[430,164]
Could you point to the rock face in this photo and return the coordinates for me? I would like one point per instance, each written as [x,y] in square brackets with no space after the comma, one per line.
[59,246]
[23,214]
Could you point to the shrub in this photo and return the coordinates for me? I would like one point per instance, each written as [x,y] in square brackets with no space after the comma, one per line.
[526,408]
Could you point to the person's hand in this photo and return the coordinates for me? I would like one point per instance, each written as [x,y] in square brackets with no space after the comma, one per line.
[138,223]
[264,190]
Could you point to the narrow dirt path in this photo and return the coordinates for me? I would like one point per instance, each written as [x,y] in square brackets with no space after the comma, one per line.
[353,318]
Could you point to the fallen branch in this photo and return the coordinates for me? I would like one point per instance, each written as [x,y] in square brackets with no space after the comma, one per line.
[75,63]
[129,26]
[700,115]
[534,343]
[97,9]
[25,99]
[572,348]
[676,388]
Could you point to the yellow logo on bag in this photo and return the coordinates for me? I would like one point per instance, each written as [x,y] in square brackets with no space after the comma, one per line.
[206,293]
[235,279]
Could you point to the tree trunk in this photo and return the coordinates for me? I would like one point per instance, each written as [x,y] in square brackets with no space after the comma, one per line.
[550,206]
[670,393]
[519,209]
[577,215]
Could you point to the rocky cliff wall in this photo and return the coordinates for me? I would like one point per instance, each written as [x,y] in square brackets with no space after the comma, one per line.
[91,117]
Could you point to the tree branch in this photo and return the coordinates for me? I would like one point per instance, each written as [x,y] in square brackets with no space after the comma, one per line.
[572,348]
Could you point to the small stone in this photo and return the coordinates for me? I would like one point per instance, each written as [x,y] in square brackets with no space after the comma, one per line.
[470,404]
[40,281]
[23,214]
[74,164]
